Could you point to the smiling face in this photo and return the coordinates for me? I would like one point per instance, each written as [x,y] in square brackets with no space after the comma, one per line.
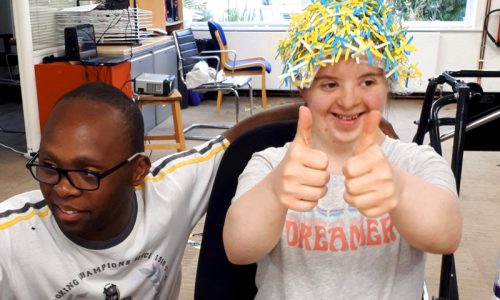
[89,135]
[339,97]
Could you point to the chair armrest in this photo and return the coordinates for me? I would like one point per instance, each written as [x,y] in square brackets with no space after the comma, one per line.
[225,51]
[222,51]
[205,57]
[253,58]
[387,129]
[200,58]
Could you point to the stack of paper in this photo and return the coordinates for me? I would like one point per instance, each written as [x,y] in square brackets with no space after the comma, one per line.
[111,26]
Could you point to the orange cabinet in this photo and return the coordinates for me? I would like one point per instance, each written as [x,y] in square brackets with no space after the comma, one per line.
[53,80]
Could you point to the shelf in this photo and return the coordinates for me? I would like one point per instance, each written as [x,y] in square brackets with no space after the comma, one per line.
[168,24]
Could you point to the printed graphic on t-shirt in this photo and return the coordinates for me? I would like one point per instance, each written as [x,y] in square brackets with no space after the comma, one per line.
[334,226]
[147,267]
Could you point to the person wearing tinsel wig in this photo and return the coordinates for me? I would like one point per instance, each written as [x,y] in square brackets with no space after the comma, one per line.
[343,211]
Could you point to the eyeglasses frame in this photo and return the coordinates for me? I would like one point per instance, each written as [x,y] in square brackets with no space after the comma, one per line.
[64,172]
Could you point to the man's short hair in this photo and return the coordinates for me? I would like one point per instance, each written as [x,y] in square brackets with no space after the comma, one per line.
[107,94]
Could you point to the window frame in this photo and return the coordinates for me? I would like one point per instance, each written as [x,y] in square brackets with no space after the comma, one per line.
[468,24]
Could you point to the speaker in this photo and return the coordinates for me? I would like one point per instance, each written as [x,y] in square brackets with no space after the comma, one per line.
[71,46]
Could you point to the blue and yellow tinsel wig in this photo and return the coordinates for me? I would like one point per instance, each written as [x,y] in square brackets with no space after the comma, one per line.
[329,30]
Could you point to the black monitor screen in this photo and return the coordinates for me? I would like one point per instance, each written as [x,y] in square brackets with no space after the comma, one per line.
[86,41]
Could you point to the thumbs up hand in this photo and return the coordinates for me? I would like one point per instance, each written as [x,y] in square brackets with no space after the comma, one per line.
[369,178]
[302,175]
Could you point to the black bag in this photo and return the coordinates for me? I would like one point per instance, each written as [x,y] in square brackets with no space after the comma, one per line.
[207,45]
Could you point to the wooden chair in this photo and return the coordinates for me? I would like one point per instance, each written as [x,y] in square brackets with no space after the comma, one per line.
[243,67]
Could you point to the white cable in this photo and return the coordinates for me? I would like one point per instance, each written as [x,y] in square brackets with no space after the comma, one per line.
[10,148]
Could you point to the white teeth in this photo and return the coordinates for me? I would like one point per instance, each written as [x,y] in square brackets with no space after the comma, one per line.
[347,118]
[69,212]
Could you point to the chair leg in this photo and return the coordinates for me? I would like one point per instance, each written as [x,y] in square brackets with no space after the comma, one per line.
[179,132]
[264,94]
[219,101]
[251,97]
[237,105]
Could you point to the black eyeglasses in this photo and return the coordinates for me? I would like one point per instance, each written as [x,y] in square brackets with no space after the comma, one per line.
[84,180]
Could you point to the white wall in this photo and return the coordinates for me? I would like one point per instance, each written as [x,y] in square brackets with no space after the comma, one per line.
[438,51]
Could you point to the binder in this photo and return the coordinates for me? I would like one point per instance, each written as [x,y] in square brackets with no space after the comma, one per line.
[171,11]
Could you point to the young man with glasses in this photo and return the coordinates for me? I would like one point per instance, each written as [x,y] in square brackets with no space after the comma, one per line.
[106,223]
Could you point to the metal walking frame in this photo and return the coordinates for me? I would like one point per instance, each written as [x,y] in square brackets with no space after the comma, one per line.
[464,94]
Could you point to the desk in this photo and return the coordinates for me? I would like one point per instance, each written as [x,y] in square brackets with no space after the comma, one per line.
[154,55]
[125,50]
[53,80]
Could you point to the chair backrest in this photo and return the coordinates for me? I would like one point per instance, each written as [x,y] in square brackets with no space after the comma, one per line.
[216,277]
[214,27]
[186,48]
[219,38]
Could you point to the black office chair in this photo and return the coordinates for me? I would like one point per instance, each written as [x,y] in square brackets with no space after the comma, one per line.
[216,277]
[188,56]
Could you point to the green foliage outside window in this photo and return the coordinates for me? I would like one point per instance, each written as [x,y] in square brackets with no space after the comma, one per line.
[432,10]
[199,8]
[411,10]
[238,15]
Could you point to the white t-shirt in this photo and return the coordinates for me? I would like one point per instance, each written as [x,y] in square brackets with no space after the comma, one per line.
[334,252]
[37,261]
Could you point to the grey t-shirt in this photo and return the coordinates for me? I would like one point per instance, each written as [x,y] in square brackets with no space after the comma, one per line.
[334,252]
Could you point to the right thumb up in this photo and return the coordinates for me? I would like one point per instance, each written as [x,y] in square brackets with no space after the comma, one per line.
[302,174]
[304,127]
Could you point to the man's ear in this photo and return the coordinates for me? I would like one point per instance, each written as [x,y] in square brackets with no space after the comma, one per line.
[142,166]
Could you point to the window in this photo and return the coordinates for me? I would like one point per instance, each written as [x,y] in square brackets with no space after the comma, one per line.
[44,29]
[438,14]
[251,12]
[277,12]
[432,10]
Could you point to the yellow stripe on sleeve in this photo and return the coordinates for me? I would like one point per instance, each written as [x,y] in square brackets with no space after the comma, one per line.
[180,164]
[41,213]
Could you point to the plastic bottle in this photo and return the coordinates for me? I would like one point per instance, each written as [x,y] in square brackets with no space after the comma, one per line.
[496,282]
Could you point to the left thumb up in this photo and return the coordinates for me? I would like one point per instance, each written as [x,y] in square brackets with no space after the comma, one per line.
[369,134]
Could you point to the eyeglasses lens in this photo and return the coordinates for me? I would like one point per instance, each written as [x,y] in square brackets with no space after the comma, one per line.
[79,179]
